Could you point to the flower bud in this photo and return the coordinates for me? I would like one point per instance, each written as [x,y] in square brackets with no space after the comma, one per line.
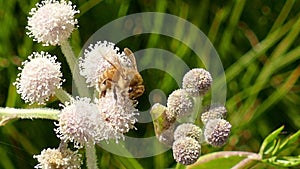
[216,112]
[197,81]
[186,150]
[163,122]
[189,130]
[180,103]
[217,132]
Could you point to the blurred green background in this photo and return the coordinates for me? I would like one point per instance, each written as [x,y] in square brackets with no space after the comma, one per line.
[257,41]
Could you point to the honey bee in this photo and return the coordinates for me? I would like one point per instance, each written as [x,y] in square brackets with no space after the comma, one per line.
[125,77]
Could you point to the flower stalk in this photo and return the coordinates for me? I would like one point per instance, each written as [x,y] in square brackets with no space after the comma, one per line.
[73,65]
[91,157]
[7,114]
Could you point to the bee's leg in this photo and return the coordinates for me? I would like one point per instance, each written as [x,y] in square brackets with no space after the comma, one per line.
[102,88]
[115,94]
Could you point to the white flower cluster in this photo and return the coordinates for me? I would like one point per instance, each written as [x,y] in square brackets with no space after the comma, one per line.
[107,117]
[58,158]
[93,64]
[39,79]
[83,121]
[187,138]
[52,22]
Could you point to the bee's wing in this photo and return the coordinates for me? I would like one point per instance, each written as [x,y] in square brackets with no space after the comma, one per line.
[131,57]
[115,62]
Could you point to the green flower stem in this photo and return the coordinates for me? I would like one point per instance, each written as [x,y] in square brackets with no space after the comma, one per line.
[180,166]
[7,114]
[91,157]
[197,109]
[73,64]
[226,154]
[62,95]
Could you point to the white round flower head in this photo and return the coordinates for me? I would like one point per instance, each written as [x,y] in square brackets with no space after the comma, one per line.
[215,112]
[80,122]
[93,64]
[54,158]
[197,81]
[52,22]
[180,103]
[186,150]
[118,112]
[39,78]
[217,132]
[189,130]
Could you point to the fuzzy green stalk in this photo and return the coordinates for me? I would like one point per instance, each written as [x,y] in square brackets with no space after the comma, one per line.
[7,114]
[90,154]
[62,95]
[73,64]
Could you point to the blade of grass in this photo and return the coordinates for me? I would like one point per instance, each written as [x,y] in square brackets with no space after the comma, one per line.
[6,162]
[230,29]
[221,14]
[283,14]
[284,61]
[266,72]
[128,162]
[236,68]
[87,6]
[279,94]
[123,8]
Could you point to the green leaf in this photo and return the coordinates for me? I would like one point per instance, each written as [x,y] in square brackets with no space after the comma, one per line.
[289,141]
[227,159]
[287,161]
[269,143]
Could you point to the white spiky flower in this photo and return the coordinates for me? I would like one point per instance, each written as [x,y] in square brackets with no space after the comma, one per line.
[80,122]
[197,81]
[186,150]
[180,103]
[118,112]
[214,112]
[216,132]
[93,64]
[189,130]
[52,21]
[39,78]
[55,158]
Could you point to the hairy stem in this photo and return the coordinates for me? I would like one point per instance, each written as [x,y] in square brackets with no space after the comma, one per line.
[62,95]
[7,114]
[91,157]
[73,64]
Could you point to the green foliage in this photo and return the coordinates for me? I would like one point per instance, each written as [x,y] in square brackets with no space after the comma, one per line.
[258,43]
[272,148]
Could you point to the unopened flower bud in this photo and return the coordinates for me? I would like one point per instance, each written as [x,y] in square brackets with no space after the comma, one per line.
[163,122]
[189,130]
[217,132]
[197,81]
[180,103]
[186,150]
[215,112]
